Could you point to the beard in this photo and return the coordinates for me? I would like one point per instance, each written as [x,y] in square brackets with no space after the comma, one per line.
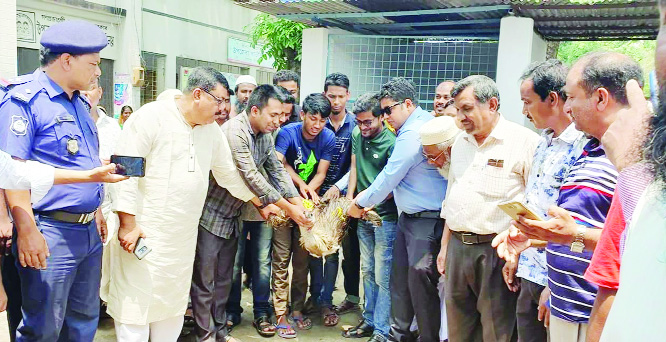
[444,170]
[240,106]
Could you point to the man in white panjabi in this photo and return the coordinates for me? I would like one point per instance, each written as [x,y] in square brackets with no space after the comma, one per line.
[181,143]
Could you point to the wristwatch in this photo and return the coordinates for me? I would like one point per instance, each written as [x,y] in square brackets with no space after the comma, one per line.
[358,206]
[578,244]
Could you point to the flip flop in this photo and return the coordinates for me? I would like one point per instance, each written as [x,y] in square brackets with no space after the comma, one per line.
[302,323]
[262,323]
[331,314]
[282,327]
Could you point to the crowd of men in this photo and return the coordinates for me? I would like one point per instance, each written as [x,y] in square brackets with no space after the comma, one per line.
[446,262]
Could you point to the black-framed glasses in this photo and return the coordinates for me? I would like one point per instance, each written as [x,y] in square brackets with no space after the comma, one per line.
[389,109]
[219,100]
[366,123]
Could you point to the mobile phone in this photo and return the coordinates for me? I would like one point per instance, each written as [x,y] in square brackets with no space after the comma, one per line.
[515,208]
[129,166]
[141,249]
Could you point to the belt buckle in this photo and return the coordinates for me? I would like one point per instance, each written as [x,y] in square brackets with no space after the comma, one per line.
[86,218]
[464,239]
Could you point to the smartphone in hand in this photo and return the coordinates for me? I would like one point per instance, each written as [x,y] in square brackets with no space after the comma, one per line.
[129,166]
[141,249]
[515,208]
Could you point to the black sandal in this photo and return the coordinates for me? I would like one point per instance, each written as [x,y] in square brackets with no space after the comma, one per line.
[361,330]
[261,323]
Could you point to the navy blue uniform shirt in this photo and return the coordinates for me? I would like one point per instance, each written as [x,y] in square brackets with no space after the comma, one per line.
[39,122]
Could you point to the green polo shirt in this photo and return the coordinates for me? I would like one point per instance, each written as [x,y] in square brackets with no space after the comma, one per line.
[371,157]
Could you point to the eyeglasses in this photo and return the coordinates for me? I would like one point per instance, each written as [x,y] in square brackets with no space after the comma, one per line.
[389,109]
[366,123]
[219,100]
[431,159]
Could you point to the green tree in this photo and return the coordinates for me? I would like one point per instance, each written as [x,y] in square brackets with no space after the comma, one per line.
[282,39]
[642,51]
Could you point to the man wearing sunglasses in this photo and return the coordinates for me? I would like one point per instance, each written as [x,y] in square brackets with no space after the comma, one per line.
[418,190]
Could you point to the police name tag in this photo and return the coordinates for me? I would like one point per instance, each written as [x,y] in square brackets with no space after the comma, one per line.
[19,125]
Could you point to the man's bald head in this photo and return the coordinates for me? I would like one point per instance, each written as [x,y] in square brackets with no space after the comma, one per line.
[608,70]
[442,96]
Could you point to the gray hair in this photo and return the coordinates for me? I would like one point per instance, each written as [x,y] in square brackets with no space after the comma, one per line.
[206,79]
[368,102]
[399,89]
[484,88]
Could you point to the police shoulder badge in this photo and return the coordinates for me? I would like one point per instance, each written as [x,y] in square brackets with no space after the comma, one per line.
[19,125]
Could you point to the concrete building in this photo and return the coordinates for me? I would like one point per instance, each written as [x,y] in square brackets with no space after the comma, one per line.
[164,37]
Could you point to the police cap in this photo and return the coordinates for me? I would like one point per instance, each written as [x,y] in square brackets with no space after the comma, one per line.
[76,37]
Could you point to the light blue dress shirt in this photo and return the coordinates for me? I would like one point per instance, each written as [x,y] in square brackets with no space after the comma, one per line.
[416,185]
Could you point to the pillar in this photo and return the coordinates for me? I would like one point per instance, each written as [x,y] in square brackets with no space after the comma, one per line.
[313,63]
[519,46]
[8,48]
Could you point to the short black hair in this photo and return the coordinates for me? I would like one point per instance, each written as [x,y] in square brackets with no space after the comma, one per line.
[286,76]
[336,79]
[288,98]
[399,89]
[126,107]
[611,71]
[547,76]
[317,104]
[484,88]
[206,79]
[47,57]
[368,102]
[260,96]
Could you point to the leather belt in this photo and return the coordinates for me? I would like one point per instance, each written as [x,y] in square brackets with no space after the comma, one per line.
[425,214]
[473,238]
[64,216]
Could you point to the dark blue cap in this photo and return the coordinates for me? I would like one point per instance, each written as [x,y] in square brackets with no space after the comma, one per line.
[76,37]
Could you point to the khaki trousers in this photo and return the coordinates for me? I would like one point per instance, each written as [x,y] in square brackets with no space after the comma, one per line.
[565,331]
[286,247]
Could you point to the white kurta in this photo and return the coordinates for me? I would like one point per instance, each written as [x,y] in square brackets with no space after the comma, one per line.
[167,203]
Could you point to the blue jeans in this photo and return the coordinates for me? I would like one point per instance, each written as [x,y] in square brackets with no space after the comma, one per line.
[376,244]
[61,303]
[322,279]
[261,237]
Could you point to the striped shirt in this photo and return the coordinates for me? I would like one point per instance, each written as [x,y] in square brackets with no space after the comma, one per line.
[586,193]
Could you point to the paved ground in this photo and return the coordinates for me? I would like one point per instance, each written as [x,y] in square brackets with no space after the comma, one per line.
[245,332]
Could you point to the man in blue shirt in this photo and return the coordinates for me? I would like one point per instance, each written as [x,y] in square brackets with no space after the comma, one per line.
[419,191]
[306,148]
[47,120]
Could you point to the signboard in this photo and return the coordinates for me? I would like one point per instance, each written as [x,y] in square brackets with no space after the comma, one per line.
[122,92]
[242,52]
[31,23]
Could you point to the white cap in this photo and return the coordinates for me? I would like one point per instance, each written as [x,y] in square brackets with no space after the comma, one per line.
[439,130]
[245,79]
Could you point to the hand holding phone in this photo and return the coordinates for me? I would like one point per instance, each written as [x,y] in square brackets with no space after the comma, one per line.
[129,166]
[515,208]
[141,249]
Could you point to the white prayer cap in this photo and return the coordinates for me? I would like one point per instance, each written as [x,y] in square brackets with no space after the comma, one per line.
[439,130]
[245,79]
[168,94]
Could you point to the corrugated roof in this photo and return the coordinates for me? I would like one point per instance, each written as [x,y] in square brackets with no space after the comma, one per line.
[554,19]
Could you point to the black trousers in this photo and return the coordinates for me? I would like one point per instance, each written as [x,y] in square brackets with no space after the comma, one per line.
[351,262]
[414,279]
[211,284]
[479,306]
[12,284]
[527,311]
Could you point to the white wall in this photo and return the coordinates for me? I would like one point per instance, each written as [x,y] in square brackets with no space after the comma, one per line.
[313,64]
[8,38]
[176,37]
[518,47]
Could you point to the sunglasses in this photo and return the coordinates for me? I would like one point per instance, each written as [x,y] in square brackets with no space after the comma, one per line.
[389,109]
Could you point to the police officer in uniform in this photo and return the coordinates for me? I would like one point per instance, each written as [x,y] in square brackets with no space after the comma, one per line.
[58,250]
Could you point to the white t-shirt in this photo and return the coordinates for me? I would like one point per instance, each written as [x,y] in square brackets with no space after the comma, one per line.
[639,308]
